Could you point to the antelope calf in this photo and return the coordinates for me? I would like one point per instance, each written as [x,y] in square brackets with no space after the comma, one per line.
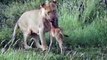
[58,35]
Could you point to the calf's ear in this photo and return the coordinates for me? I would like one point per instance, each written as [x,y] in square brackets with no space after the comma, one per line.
[54,1]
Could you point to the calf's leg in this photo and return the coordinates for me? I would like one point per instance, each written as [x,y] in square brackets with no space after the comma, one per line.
[50,45]
[60,42]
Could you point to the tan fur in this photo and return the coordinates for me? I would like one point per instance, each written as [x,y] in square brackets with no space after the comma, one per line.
[36,22]
[58,35]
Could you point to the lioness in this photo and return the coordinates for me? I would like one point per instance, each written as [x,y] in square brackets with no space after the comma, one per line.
[36,23]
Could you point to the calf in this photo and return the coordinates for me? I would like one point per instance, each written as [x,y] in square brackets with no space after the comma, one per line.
[58,35]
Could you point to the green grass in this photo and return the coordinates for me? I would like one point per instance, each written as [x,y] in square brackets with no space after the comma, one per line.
[76,54]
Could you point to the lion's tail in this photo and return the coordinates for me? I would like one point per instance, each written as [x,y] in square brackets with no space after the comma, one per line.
[14,32]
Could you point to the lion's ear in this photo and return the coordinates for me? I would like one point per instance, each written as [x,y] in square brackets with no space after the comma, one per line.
[42,5]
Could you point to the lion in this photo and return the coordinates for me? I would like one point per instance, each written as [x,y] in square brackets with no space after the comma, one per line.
[36,23]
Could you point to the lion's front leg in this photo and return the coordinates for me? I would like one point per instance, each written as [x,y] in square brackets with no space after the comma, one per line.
[42,39]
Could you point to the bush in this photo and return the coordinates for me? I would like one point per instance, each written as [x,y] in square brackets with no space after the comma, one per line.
[5,34]
[88,29]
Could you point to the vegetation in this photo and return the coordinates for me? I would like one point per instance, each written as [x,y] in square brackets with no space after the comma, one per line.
[85,21]
[79,54]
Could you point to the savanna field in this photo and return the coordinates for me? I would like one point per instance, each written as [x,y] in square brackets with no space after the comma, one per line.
[84,21]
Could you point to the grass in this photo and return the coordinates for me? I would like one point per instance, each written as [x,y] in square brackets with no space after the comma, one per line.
[76,54]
